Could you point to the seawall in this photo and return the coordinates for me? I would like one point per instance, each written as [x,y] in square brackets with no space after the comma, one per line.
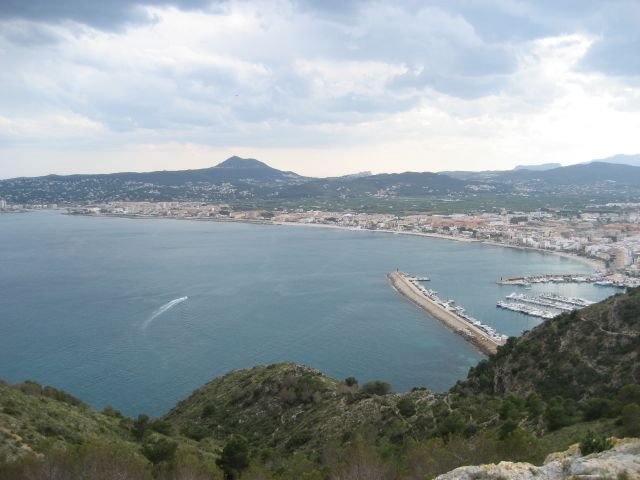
[477,337]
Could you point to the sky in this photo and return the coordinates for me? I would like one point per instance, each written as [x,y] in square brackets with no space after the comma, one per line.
[323,88]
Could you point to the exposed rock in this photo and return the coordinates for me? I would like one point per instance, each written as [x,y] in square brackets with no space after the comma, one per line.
[622,461]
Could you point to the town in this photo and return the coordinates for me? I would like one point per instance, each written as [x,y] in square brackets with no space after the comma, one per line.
[608,234]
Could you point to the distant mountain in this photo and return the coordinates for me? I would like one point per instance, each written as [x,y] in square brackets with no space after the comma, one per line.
[234,178]
[358,175]
[251,181]
[385,185]
[544,166]
[633,160]
[593,173]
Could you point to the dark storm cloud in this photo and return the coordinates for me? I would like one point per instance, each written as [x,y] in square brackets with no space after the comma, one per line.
[103,14]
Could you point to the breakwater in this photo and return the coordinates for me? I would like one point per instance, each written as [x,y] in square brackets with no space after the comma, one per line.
[481,336]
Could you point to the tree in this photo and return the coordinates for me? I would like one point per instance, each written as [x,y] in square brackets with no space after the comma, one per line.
[234,458]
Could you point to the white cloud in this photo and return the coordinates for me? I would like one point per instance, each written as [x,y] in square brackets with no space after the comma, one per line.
[384,86]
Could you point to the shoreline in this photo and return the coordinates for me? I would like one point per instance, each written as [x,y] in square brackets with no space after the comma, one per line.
[466,330]
[591,262]
[596,265]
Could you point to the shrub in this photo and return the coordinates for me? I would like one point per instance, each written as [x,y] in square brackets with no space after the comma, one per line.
[507,427]
[593,443]
[595,408]
[629,394]
[511,408]
[161,426]
[140,426]
[62,396]
[297,440]
[209,410]
[453,424]
[161,450]
[10,408]
[560,413]
[351,381]
[234,458]
[407,407]
[109,411]
[534,405]
[376,388]
[195,432]
[631,420]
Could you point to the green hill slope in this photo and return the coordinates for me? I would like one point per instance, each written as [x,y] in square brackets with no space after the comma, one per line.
[289,407]
[572,375]
[590,353]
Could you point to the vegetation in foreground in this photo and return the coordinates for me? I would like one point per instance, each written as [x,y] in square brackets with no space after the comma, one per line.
[572,379]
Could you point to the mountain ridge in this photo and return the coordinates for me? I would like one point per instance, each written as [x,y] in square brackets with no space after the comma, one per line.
[252,183]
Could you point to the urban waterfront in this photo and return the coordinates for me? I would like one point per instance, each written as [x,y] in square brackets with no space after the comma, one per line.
[137,313]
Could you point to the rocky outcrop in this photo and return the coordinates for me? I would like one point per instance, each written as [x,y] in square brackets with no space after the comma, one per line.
[620,462]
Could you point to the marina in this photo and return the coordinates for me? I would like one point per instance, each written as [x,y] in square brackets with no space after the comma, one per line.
[545,305]
[600,279]
[526,309]
[484,337]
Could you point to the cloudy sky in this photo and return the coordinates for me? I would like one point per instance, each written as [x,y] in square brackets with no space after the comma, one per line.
[322,87]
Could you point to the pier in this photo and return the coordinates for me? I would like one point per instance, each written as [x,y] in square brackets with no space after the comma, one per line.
[481,336]
[601,279]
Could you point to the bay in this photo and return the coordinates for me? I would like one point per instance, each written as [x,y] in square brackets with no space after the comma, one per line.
[97,307]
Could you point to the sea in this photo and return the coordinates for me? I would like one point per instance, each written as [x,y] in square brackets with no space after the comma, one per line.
[137,314]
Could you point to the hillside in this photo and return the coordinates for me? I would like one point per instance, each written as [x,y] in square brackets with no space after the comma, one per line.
[590,353]
[288,407]
[571,379]
[595,173]
[251,184]
[385,185]
[234,178]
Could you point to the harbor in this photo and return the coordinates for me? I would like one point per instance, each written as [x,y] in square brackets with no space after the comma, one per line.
[545,305]
[599,279]
[482,336]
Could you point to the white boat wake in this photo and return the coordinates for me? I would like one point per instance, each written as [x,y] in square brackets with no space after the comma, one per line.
[161,310]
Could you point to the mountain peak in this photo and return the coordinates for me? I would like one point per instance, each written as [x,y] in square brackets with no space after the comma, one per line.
[238,162]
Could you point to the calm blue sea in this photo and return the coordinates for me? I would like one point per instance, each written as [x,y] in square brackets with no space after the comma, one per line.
[96,306]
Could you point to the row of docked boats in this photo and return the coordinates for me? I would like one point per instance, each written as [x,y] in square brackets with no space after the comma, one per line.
[545,305]
[459,311]
[598,279]
[526,309]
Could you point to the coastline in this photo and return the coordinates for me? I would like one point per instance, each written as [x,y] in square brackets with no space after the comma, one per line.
[469,332]
[591,262]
